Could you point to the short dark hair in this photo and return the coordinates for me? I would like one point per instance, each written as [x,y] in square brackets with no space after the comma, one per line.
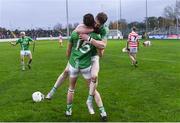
[134,29]
[102,17]
[88,20]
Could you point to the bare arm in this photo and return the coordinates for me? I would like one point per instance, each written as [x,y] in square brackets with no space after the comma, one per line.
[97,43]
[68,51]
[100,52]
[127,44]
[13,43]
[83,29]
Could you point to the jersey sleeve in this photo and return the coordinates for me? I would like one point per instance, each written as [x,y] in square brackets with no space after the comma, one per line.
[73,37]
[30,39]
[104,33]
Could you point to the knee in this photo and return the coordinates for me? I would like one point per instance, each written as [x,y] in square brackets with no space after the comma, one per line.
[94,78]
[66,71]
[70,90]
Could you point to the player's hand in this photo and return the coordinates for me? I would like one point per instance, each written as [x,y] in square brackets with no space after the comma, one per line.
[84,37]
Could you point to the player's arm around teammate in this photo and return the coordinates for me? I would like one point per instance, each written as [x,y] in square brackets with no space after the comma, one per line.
[64,74]
[100,28]
[80,61]
[101,18]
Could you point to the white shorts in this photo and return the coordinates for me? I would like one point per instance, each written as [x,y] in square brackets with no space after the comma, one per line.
[86,72]
[25,52]
[133,50]
[95,58]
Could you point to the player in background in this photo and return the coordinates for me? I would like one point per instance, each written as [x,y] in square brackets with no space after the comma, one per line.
[24,42]
[60,40]
[133,46]
[51,37]
[98,51]
[80,61]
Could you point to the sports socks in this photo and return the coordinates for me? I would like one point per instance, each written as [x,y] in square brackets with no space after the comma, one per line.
[90,98]
[101,109]
[69,106]
[53,90]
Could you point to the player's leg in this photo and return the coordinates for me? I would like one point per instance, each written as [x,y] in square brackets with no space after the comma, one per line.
[135,62]
[131,58]
[93,82]
[73,73]
[92,88]
[70,95]
[30,59]
[62,77]
[94,74]
[100,105]
[98,101]
[22,60]
[87,76]
[131,51]
[61,44]
[132,55]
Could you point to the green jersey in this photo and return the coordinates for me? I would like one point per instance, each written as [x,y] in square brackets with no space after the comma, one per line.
[24,43]
[81,52]
[104,31]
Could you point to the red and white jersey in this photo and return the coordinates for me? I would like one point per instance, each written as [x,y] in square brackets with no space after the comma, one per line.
[133,39]
[60,37]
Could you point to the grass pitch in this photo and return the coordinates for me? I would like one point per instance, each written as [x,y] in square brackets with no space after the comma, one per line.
[150,92]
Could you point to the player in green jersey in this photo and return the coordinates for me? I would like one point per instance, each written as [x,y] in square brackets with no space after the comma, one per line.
[81,28]
[24,42]
[99,45]
[100,19]
[80,61]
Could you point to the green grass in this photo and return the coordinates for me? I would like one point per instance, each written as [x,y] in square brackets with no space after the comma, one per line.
[147,93]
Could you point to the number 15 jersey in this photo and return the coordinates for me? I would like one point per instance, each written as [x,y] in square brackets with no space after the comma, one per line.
[81,52]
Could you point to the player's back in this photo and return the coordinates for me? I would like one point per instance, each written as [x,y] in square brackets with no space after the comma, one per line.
[81,51]
[60,37]
[133,39]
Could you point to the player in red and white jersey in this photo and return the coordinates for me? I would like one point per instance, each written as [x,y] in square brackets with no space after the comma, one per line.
[60,40]
[133,45]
